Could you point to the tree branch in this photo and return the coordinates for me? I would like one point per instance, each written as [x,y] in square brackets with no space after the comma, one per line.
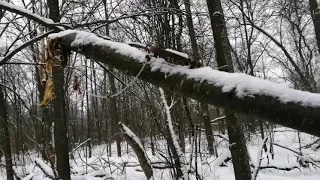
[15,51]
[30,15]
[109,21]
[280,45]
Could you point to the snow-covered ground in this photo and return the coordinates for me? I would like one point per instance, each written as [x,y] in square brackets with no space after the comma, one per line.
[208,167]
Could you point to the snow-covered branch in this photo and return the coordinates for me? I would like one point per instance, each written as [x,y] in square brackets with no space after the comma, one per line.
[45,168]
[242,93]
[136,145]
[29,14]
[217,119]
[181,157]
[81,144]
[29,177]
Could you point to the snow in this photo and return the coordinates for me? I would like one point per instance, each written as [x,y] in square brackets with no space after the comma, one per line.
[136,140]
[44,167]
[220,159]
[64,33]
[243,84]
[246,85]
[217,13]
[217,119]
[178,53]
[139,44]
[29,177]
[209,166]
[21,9]
[174,138]
[83,38]
[105,37]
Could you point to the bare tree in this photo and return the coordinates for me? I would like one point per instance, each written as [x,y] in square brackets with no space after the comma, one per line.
[59,105]
[237,142]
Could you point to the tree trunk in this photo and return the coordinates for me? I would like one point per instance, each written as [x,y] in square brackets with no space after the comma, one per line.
[192,33]
[5,136]
[248,37]
[137,147]
[59,105]
[96,110]
[315,13]
[114,113]
[175,148]
[170,141]
[89,119]
[237,143]
[61,125]
[196,57]
[46,120]
[113,102]
[181,121]
[208,128]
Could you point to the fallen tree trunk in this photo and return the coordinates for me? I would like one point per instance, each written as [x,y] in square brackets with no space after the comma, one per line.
[244,94]
[302,114]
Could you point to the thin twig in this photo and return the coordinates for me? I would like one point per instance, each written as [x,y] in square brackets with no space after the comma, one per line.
[24,63]
[257,166]
[23,102]
[74,149]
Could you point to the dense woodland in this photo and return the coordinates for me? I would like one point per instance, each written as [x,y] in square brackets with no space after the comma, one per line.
[81,94]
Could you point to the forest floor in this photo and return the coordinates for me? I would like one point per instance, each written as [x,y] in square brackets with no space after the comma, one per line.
[284,166]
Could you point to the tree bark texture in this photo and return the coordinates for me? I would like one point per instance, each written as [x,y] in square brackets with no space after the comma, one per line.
[60,109]
[237,142]
[208,129]
[5,136]
[315,13]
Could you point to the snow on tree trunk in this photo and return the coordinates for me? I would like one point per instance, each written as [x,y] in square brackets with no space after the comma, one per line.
[45,168]
[242,93]
[182,158]
[136,145]
[29,177]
